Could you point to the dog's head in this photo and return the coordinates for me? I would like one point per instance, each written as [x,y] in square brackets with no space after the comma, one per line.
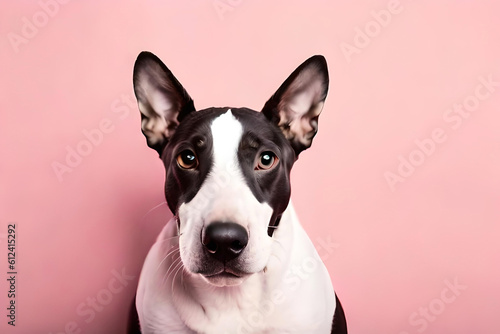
[228,169]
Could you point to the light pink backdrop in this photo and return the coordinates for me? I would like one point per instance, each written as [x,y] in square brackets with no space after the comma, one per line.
[393,250]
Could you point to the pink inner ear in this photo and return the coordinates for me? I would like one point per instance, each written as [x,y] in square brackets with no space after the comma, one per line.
[303,126]
[161,117]
[300,105]
[303,94]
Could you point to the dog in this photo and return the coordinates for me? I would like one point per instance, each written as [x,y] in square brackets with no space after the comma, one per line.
[234,257]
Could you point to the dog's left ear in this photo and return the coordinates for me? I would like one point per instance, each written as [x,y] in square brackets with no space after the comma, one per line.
[296,105]
[163,102]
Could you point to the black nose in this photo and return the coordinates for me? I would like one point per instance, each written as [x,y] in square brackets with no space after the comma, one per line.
[225,241]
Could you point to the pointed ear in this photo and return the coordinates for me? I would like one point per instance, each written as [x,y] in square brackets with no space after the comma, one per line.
[296,105]
[163,102]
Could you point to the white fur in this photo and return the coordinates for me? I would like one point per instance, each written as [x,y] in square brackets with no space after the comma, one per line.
[293,294]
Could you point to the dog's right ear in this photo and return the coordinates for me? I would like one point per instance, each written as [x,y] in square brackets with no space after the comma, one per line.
[163,102]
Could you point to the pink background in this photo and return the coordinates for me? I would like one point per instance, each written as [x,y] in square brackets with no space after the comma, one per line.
[395,249]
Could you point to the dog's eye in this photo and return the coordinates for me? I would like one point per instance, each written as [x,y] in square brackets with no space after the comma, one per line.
[266,161]
[187,160]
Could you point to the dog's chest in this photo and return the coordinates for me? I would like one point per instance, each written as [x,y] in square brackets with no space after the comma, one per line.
[260,305]
[248,319]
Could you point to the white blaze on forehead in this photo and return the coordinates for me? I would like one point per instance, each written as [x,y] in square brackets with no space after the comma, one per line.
[225,181]
[226,134]
[224,195]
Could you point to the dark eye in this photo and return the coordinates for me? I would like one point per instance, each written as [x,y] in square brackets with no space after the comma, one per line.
[266,161]
[187,160]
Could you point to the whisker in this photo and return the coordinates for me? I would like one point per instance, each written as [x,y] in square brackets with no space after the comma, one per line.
[175,250]
[170,238]
[151,210]
[173,279]
[170,269]
[174,272]
[174,269]
[166,256]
